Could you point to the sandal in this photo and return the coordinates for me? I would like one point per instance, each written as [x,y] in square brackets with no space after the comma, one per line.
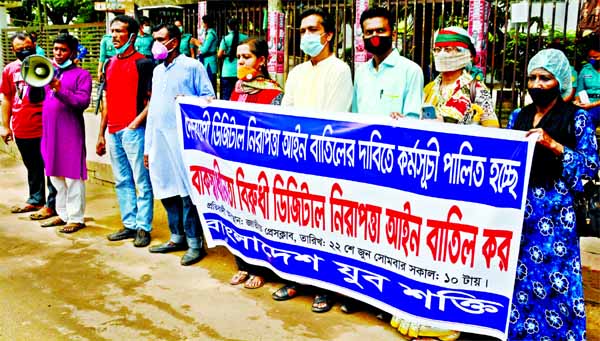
[286,292]
[72,227]
[318,301]
[239,278]
[254,282]
[25,209]
[43,213]
[54,222]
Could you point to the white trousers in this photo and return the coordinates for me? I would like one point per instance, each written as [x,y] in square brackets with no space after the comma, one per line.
[70,198]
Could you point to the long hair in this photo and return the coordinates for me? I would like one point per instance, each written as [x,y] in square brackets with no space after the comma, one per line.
[259,48]
[233,25]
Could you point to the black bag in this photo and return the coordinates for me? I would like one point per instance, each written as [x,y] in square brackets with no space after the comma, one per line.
[587,209]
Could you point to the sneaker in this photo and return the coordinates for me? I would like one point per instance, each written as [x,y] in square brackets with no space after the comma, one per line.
[125,233]
[142,238]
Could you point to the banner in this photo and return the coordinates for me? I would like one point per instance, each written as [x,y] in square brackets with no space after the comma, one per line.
[418,218]
[360,54]
[276,41]
[202,11]
[479,13]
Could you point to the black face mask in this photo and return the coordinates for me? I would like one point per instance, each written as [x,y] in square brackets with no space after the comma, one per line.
[378,45]
[25,53]
[543,97]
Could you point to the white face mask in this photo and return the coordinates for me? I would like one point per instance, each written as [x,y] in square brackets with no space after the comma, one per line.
[146,30]
[445,61]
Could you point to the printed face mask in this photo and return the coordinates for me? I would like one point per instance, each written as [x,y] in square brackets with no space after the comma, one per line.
[311,44]
[246,73]
[445,61]
[378,45]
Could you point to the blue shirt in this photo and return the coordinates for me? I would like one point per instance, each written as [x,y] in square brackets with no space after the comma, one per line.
[397,86]
[589,80]
[229,66]
[183,76]
[208,50]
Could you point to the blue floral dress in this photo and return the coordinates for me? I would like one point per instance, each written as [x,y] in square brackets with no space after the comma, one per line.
[547,303]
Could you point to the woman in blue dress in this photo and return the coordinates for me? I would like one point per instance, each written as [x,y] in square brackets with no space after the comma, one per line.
[548,301]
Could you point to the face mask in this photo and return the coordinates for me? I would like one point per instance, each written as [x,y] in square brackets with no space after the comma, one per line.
[160,51]
[66,64]
[311,44]
[246,73]
[21,55]
[378,45]
[594,63]
[543,97]
[445,61]
[146,30]
[122,49]
[180,28]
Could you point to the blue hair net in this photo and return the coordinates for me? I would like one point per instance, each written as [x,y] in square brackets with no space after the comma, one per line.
[555,62]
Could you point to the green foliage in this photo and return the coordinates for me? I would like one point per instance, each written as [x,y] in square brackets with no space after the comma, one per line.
[57,12]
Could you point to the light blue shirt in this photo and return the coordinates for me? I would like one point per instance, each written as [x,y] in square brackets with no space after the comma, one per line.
[183,76]
[229,66]
[397,86]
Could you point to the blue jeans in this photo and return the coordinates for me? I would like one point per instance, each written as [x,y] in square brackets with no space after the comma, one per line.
[184,222]
[127,158]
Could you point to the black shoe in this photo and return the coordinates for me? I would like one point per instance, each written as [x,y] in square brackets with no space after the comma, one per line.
[168,247]
[125,233]
[351,306]
[192,256]
[142,238]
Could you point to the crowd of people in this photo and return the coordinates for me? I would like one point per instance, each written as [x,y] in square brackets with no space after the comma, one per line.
[145,67]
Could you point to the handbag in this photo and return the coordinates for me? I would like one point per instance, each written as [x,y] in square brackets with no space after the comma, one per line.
[587,209]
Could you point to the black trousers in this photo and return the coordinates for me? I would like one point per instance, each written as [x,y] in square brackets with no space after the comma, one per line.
[32,158]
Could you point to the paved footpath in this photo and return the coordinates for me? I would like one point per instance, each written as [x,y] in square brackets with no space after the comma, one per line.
[82,287]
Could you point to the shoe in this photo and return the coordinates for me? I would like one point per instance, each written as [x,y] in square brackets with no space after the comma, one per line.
[43,213]
[168,247]
[125,233]
[25,208]
[286,292]
[322,303]
[192,256]
[142,238]
[54,222]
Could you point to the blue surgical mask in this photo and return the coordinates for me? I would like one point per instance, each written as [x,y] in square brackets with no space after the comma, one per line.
[122,49]
[66,64]
[311,44]
[594,63]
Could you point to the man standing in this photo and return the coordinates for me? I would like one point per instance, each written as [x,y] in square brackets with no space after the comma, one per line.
[322,83]
[177,75]
[128,86]
[63,139]
[22,118]
[388,83]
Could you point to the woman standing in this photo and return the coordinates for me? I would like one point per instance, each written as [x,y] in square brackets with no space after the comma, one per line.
[548,297]
[228,49]
[456,96]
[207,49]
[254,86]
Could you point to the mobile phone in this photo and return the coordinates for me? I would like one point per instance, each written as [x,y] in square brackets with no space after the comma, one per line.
[429,112]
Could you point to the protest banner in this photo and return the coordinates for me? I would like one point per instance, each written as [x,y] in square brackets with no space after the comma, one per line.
[420,219]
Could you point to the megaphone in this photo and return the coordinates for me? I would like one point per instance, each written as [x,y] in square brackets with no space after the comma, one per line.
[37,71]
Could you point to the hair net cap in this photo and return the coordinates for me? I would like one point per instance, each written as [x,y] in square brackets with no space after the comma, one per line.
[555,62]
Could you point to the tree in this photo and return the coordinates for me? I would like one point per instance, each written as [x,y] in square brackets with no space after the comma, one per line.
[58,12]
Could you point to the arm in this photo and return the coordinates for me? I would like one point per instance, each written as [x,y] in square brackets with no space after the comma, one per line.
[78,97]
[101,142]
[208,42]
[483,98]
[145,69]
[355,97]
[202,83]
[413,92]
[582,162]
[5,131]
[221,52]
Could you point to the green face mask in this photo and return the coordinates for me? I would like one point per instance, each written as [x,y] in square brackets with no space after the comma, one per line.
[181,28]
[122,49]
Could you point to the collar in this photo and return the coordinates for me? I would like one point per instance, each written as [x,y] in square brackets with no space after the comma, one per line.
[390,61]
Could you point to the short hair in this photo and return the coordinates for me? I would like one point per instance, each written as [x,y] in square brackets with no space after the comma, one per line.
[19,36]
[143,20]
[208,20]
[377,12]
[132,24]
[326,20]
[594,42]
[174,32]
[69,40]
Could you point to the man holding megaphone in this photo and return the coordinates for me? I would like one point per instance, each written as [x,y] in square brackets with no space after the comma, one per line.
[22,120]
[67,95]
